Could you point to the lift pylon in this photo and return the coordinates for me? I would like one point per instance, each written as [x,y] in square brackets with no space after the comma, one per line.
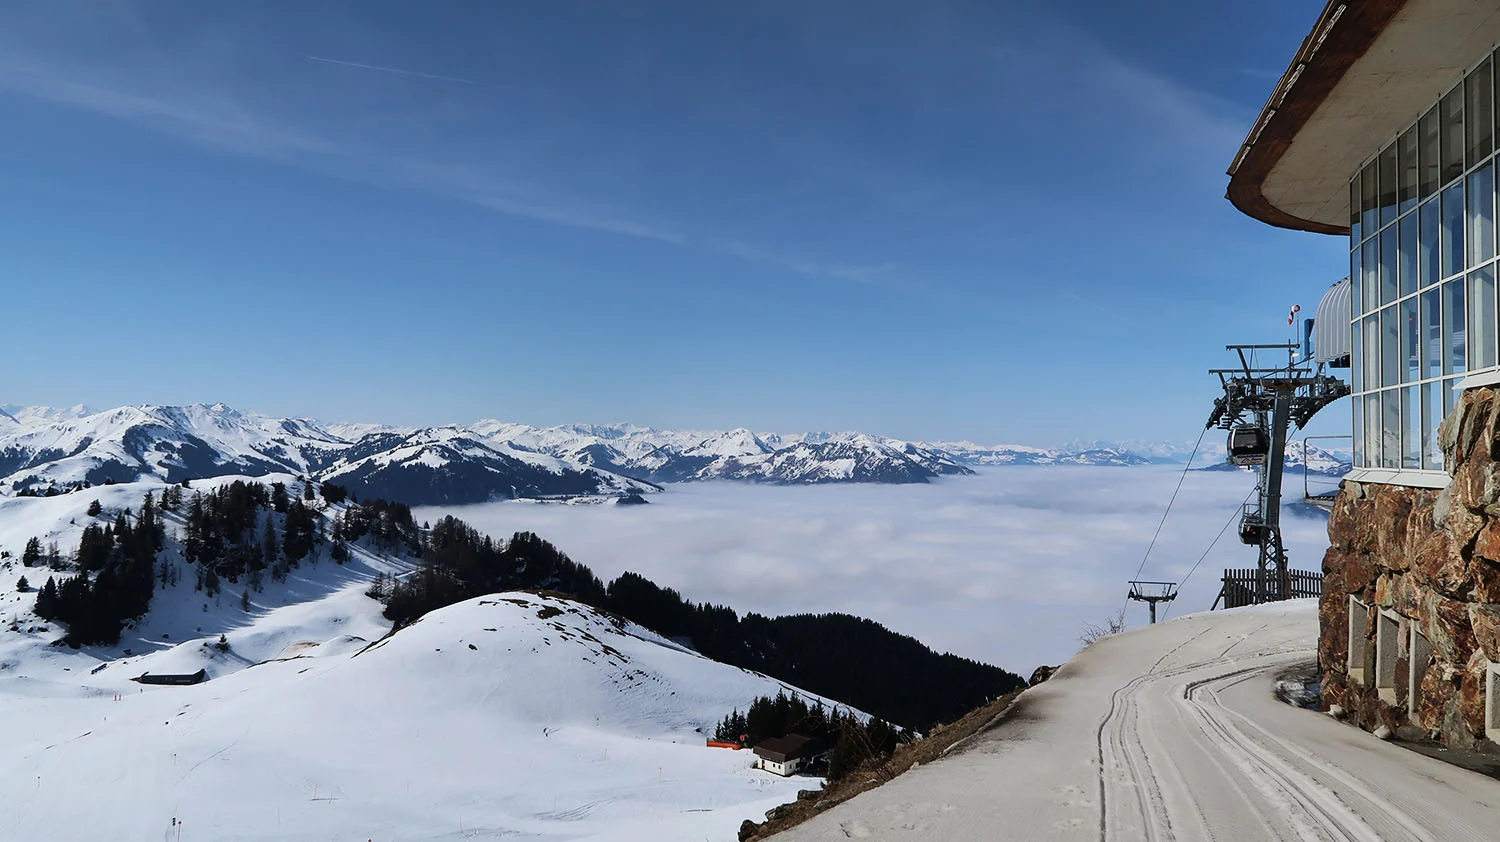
[1258,408]
[1152,593]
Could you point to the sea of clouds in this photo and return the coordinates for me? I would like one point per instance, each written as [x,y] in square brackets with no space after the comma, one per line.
[1004,567]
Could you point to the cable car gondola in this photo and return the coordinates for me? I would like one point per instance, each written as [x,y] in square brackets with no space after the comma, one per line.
[1252,528]
[1248,445]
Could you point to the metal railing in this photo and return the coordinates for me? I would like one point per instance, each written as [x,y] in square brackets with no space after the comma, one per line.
[1326,495]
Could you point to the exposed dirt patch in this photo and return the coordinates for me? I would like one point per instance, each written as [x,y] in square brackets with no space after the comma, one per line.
[942,740]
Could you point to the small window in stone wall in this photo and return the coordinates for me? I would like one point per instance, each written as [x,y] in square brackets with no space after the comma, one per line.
[1420,650]
[1492,702]
[1387,652]
[1359,641]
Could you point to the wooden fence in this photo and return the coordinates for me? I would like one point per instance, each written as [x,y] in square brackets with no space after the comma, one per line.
[1239,586]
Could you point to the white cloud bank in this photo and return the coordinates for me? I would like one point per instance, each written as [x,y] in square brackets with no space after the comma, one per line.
[1004,567]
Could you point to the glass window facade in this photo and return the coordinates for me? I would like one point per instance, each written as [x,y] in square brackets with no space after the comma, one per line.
[1422,261]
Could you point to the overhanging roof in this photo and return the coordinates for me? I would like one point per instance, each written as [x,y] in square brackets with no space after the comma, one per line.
[1368,69]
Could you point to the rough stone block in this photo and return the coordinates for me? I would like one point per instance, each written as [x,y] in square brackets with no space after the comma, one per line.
[1464,527]
[1392,512]
[1471,693]
[1438,694]
[1484,580]
[1405,597]
[1446,624]
[1484,619]
[1441,569]
[1487,542]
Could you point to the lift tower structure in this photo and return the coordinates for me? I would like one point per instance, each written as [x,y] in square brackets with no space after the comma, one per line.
[1259,405]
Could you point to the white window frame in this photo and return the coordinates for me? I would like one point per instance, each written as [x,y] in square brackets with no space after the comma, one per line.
[1418,653]
[1359,629]
[1387,652]
[1492,701]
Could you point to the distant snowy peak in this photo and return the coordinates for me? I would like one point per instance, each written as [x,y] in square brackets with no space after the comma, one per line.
[733,444]
[1317,461]
[1322,462]
[452,465]
[30,416]
[1013,454]
[1151,451]
[861,459]
[167,442]
[357,431]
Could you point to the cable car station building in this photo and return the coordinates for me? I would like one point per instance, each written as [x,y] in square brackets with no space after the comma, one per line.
[1383,129]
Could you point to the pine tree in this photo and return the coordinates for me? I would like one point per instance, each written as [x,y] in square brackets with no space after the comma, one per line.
[307,490]
[149,530]
[32,555]
[94,509]
[298,531]
[22,585]
[268,545]
[46,600]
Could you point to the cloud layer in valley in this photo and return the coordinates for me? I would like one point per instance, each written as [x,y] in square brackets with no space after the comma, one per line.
[1004,567]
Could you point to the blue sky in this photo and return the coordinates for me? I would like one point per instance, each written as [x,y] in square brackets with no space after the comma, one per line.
[980,220]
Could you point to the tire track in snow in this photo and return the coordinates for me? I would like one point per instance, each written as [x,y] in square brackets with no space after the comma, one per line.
[1111,748]
[1145,792]
[1326,780]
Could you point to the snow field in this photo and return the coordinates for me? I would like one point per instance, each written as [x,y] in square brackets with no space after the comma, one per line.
[514,715]
[1172,733]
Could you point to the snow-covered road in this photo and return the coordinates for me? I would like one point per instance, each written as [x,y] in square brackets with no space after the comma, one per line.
[1172,733]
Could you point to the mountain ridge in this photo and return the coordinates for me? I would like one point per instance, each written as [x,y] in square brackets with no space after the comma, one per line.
[45,448]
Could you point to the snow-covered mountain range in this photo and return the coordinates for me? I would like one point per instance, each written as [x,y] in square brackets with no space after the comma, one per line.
[1012,454]
[42,447]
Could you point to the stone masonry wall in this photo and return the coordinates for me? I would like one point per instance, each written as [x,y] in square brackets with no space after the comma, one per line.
[1434,558]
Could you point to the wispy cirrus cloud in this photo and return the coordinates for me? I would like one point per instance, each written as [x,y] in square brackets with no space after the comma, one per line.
[881,274]
[537,159]
[215,117]
[411,74]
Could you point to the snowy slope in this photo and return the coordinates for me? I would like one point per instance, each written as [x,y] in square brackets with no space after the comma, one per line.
[514,715]
[178,611]
[1172,732]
